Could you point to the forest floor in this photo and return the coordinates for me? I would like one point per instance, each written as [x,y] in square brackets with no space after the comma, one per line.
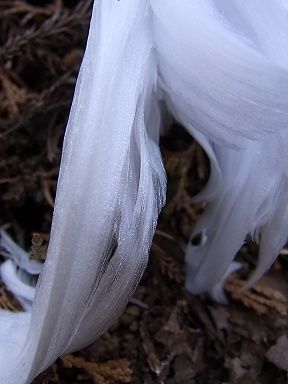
[166,335]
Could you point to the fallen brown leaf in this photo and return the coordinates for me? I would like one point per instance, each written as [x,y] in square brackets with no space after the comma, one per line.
[277,354]
[152,358]
[184,345]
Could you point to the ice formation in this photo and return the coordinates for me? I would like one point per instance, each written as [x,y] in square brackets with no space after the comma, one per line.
[220,68]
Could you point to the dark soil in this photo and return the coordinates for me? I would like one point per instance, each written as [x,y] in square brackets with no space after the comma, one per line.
[166,335]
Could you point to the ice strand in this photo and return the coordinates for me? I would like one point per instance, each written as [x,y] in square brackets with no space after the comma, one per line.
[227,83]
[110,190]
[220,68]
[250,196]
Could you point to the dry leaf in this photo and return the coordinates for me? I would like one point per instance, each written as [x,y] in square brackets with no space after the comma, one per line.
[152,358]
[236,370]
[220,316]
[180,340]
[278,355]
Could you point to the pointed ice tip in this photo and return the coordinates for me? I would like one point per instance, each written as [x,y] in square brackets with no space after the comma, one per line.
[195,283]
[253,279]
[194,288]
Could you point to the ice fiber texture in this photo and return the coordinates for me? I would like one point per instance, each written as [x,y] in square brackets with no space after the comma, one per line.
[220,68]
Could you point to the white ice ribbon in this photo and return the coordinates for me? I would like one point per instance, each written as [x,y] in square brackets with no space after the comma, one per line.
[220,68]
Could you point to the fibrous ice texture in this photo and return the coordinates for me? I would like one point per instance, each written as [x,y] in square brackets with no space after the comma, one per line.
[220,68]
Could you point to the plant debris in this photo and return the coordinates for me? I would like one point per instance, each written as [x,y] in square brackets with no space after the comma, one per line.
[102,373]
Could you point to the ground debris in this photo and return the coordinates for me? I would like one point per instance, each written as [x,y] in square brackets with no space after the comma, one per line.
[8,301]
[109,372]
[262,297]
[50,376]
[277,354]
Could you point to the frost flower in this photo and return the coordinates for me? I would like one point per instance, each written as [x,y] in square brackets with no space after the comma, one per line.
[219,67]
